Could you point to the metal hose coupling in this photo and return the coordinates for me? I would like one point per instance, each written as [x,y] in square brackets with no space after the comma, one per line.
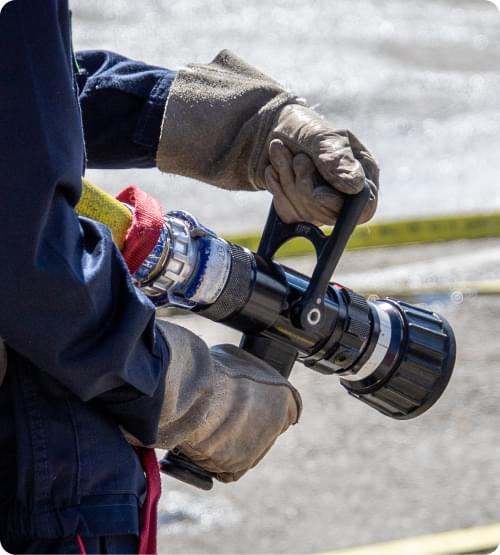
[189,266]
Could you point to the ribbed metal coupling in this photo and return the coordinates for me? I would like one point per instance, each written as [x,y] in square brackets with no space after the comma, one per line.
[421,370]
[356,332]
[237,288]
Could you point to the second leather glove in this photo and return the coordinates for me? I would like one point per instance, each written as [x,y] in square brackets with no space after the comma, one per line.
[223,407]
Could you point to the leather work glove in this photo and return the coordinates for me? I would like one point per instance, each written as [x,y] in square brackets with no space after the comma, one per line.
[220,123]
[223,408]
[300,197]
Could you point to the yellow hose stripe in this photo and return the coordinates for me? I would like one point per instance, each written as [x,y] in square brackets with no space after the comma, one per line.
[98,205]
[470,540]
[424,230]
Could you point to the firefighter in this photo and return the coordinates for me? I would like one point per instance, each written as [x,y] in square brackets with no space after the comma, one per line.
[85,369]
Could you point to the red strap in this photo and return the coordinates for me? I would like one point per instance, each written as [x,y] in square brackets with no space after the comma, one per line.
[141,239]
[145,229]
[149,513]
[81,545]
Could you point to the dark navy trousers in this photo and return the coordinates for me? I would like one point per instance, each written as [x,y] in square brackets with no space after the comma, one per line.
[84,355]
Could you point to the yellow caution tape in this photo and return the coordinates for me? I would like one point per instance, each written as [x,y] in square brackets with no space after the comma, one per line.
[424,230]
[484,539]
[98,205]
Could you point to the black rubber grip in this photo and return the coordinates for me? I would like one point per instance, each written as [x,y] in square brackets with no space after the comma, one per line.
[178,466]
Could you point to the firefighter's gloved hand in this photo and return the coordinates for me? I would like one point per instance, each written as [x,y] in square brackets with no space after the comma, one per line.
[313,165]
[220,123]
[299,196]
[223,407]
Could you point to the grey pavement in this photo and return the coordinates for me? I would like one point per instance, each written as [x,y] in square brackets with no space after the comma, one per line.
[347,475]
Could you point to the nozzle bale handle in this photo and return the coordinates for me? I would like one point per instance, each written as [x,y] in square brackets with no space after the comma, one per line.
[312,307]
[329,248]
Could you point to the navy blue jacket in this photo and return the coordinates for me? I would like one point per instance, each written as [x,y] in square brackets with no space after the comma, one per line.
[84,357]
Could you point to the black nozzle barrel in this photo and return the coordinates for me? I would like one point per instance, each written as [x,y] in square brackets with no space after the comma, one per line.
[395,357]
[416,367]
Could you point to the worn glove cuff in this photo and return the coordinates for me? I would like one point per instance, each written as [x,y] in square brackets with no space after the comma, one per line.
[217,120]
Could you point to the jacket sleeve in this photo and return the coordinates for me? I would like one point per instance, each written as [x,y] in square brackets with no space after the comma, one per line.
[122,102]
[66,301]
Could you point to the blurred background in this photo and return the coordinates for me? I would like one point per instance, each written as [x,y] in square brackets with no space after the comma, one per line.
[419,82]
